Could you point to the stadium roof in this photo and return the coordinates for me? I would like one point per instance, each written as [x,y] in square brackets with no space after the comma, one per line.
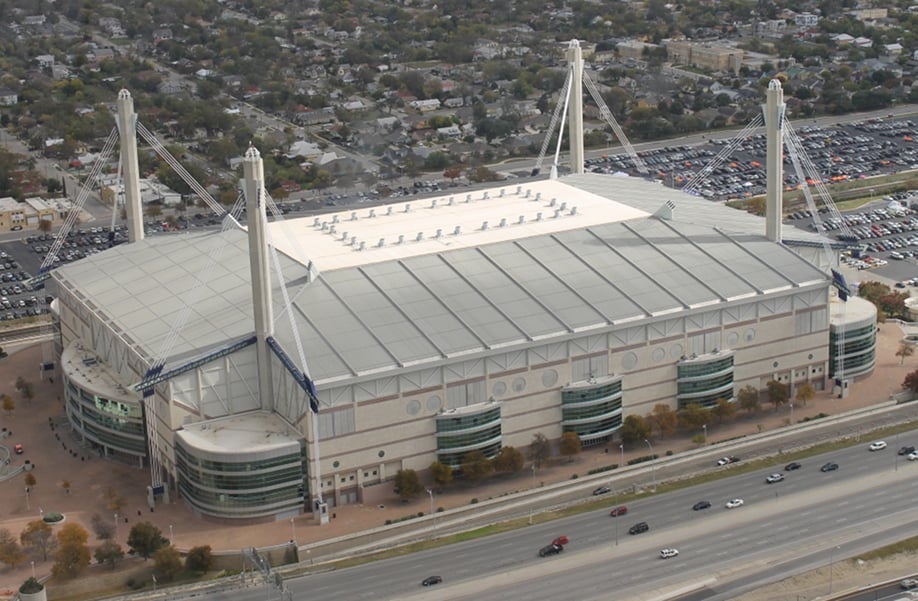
[402,305]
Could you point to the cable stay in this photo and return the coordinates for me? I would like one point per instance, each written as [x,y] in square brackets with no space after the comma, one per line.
[565,91]
[554,165]
[700,176]
[606,114]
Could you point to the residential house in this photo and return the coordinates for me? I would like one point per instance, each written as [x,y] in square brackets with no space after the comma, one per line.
[806,20]
[8,97]
[430,104]
[45,61]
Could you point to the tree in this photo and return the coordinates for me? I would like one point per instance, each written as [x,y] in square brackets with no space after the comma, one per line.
[570,445]
[38,538]
[906,349]
[509,461]
[109,552]
[102,527]
[72,555]
[694,417]
[10,552]
[723,411]
[31,586]
[778,393]
[748,398]
[199,559]
[145,539]
[635,429]
[539,449]
[66,485]
[664,419]
[911,382]
[442,474]
[115,500]
[167,563]
[44,225]
[407,484]
[30,479]
[9,405]
[475,466]
[805,393]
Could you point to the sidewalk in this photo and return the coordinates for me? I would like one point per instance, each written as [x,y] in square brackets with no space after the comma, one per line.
[58,457]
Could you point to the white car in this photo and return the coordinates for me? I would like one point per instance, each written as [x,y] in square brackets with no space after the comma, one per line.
[912,456]
[734,503]
[776,477]
[878,445]
[667,553]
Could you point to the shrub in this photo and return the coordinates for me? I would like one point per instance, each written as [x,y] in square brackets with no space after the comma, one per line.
[52,517]
[474,500]
[642,459]
[31,586]
[606,468]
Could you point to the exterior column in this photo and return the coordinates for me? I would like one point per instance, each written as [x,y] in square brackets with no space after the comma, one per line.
[575,108]
[130,171]
[774,160]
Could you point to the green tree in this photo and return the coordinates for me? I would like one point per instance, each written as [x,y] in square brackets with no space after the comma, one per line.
[38,538]
[167,563]
[539,449]
[9,405]
[475,466]
[694,417]
[635,429]
[748,398]
[199,559]
[778,393]
[67,486]
[723,411]
[664,419]
[441,473]
[509,461]
[407,484]
[10,552]
[570,445]
[109,552]
[906,349]
[145,539]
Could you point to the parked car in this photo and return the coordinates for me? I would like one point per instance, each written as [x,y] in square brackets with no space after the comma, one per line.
[726,460]
[551,549]
[734,503]
[667,553]
[431,580]
[906,450]
[620,510]
[878,445]
[909,583]
[18,448]
[829,467]
[776,477]
[913,456]
[602,490]
[701,505]
[792,466]
[638,528]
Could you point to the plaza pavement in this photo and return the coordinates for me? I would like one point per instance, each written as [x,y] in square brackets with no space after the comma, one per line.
[57,457]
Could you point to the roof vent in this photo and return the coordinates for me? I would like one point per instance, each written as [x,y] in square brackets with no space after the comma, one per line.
[528,193]
[433,203]
[419,237]
[503,222]
[363,245]
[354,216]
[563,205]
[381,243]
[452,201]
[372,213]
[519,190]
[539,216]
[408,208]
[344,236]
[389,210]
[401,239]
[557,213]
[334,219]
[332,230]
[553,202]
[502,192]
[324,225]
[468,198]
[439,233]
[485,196]
[538,196]
[573,210]
[354,241]
[315,222]
[484,225]
[522,219]
[457,231]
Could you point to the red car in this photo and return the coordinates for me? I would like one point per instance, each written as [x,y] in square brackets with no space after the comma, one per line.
[620,510]
[18,448]
[561,540]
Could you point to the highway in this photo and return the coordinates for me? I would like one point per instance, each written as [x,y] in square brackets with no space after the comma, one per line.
[809,520]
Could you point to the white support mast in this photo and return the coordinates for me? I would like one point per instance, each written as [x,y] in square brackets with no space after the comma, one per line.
[575,58]
[774,160]
[127,130]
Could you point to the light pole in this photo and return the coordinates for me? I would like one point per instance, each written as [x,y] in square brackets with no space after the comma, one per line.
[792,414]
[621,448]
[293,530]
[705,428]
[171,536]
[533,476]
[430,493]
[116,525]
[616,520]
[33,569]
[653,467]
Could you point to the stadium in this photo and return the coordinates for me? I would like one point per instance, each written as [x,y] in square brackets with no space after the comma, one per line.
[289,366]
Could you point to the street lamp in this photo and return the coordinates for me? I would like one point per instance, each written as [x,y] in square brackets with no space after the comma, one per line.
[116,525]
[430,493]
[705,428]
[621,448]
[653,467]
[171,536]
[293,530]
[533,475]
[792,414]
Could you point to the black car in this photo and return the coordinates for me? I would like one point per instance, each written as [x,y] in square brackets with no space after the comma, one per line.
[829,467]
[602,490]
[638,528]
[431,580]
[792,466]
[701,505]
[552,549]
[906,450]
